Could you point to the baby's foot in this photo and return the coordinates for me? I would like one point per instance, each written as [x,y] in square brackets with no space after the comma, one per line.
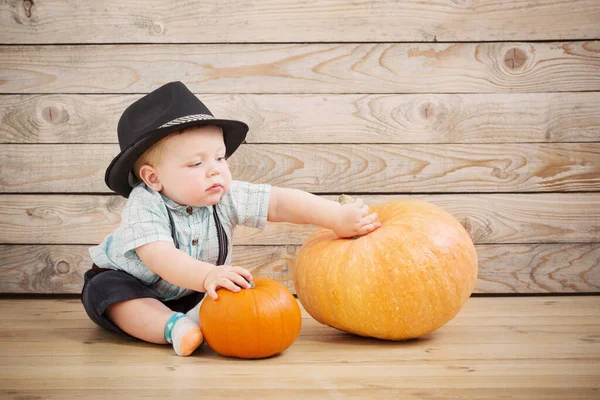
[184,334]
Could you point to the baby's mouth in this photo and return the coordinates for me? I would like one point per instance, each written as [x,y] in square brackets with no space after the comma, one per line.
[215,187]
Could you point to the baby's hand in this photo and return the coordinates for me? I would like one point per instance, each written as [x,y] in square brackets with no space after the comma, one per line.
[228,277]
[355,220]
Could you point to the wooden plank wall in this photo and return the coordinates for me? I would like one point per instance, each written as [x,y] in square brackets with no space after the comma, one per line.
[488,108]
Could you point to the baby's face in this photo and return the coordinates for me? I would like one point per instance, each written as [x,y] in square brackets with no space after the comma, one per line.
[193,169]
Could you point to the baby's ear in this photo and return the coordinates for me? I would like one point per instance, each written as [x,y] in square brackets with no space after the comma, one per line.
[150,177]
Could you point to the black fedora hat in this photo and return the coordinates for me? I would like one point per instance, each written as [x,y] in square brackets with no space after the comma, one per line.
[165,110]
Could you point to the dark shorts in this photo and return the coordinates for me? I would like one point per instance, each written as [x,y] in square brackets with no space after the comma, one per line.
[101,288]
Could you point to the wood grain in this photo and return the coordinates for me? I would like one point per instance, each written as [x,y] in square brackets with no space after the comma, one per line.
[574,309]
[290,118]
[322,168]
[328,377]
[304,68]
[489,218]
[78,325]
[525,348]
[535,393]
[503,269]
[161,21]
[442,102]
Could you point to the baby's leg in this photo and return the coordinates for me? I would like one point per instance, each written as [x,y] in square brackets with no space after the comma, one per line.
[134,311]
[150,320]
[143,318]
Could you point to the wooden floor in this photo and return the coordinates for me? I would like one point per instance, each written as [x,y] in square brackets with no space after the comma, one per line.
[521,348]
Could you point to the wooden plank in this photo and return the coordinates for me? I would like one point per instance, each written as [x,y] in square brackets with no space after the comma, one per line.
[511,268]
[561,333]
[50,347]
[489,218]
[160,21]
[426,393]
[304,68]
[539,268]
[422,118]
[478,311]
[76,327]
[326,168]
[327,377]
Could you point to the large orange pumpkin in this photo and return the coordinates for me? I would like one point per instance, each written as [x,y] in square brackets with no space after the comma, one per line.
[252,323]
[401,281]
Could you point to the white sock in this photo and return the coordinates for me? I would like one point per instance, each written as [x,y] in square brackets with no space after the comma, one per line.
[185,334]
[194,313]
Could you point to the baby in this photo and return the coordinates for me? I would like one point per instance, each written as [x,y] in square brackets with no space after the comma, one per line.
[174,242]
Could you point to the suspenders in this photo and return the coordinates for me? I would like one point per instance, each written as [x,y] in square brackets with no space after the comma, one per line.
[222,236]
[223,244]
[172,228]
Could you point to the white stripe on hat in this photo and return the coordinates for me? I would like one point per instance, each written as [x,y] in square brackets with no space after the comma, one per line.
[187,118]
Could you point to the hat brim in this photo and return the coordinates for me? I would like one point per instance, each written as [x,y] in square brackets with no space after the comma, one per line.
[117,175]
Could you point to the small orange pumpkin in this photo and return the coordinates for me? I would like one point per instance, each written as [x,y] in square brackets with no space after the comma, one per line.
[401,281]
[252,323]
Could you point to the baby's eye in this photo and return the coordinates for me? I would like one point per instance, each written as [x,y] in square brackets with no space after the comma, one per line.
[221,159]
[196,164]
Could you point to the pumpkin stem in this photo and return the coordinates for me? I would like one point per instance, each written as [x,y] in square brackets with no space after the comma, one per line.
[252,285]
[345,199]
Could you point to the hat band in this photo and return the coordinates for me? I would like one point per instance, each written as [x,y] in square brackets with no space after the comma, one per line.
[186,119]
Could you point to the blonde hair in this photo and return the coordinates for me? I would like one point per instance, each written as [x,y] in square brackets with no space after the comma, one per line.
[152,156]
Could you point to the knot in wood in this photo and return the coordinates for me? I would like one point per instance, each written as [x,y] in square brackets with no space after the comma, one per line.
[27,5]
[427,110]
[52,115]
[500,173]
[62,267]
[157,29]
[515,58]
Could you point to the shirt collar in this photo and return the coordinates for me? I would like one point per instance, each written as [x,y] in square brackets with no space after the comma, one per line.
[172,204]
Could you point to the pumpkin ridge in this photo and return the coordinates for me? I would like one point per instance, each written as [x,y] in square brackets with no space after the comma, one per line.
[282,318]
[256,313]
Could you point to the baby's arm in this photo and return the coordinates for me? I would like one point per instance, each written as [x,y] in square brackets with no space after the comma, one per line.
[299,207]
[178,268]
